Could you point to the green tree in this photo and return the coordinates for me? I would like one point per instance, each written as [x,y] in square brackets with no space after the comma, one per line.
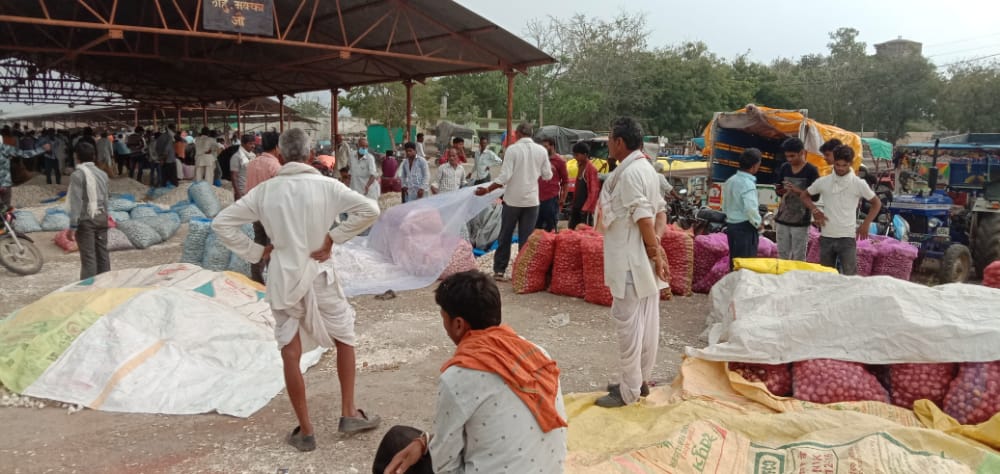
[310,108]
[970,99]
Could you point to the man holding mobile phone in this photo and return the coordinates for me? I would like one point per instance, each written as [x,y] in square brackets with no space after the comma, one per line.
[793,218]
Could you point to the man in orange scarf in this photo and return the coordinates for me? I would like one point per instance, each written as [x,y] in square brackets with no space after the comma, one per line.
[499,406]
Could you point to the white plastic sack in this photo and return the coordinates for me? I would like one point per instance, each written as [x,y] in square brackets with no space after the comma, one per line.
[194,244]
[772,319]
[410,244]
[55,220]
[203,196]
[25,222]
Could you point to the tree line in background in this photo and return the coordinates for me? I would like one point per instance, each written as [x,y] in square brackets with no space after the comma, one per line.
[606,68]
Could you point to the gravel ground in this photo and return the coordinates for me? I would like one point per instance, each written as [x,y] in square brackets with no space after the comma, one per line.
[400,350]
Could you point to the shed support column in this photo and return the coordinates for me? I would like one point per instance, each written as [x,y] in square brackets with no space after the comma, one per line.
[239,118]
[409,110]
[135,118]
[204,115]
[281,113]
[178,121]
[334,108]
[155,126]
[510,106]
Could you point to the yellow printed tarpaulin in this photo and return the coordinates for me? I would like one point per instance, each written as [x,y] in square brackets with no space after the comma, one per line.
[778,266]
[780,124]
[712,420]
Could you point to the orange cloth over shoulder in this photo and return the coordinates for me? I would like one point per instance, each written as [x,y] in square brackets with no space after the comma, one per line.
[529,373]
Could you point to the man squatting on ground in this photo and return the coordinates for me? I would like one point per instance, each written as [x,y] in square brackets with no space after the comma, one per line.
[633,215]
[297,208]
[499,405]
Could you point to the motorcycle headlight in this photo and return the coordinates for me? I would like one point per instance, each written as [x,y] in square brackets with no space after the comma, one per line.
[933,223]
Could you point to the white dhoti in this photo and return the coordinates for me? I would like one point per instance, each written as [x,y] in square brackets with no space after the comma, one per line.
[637,321]
[321,317]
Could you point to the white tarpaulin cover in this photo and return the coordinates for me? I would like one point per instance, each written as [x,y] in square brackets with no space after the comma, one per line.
[763,318]
[410,245]
[172,339]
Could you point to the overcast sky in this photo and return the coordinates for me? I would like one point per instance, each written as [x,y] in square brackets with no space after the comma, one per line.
[952,30]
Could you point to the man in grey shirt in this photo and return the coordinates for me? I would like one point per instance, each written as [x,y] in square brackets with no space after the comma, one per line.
[88,212]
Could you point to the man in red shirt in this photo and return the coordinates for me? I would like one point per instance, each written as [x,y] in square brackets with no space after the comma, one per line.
[588,188]
[457,148]
[261,169]
[552,192]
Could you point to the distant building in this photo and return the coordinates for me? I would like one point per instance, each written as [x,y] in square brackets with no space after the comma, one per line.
[899,48]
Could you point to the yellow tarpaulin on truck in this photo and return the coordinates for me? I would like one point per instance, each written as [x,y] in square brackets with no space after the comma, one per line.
[778,124]
[712,420]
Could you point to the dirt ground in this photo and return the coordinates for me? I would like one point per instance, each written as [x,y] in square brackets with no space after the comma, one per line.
[401,347]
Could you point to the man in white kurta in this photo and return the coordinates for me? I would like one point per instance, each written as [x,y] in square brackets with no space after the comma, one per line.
[635,268]
[297,208]
[364,172]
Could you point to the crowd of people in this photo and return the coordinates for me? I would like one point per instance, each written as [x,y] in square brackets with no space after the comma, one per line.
[829,202]
[499,406]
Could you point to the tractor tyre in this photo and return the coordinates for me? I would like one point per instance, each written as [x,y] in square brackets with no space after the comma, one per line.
[956,265]
[986,241]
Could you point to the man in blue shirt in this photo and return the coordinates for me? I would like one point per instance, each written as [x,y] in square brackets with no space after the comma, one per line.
[739,202]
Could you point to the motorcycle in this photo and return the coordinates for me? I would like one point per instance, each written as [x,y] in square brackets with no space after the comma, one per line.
[17,251]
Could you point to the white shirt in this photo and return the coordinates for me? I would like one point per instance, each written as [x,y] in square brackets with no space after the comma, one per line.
[363,168]
[840,196]
[482,426]
[524,162]
[105,150]
[484,160]
[343,154]
[449,178]
[238,164]
[420,150]
[206,149]
[636,195]
[297,207]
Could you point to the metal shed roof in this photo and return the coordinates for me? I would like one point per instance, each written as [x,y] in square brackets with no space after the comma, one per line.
[158,52]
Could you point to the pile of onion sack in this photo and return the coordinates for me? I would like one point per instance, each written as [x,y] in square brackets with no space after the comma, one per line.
[969,391]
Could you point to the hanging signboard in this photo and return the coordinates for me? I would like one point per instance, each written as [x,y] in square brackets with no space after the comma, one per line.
[251,17]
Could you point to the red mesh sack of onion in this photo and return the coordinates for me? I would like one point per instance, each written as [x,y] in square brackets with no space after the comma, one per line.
[567,267]
[777,378]
[679,247]
[531,267]
[911,382]
[974,395]
[592,256]
[832,381]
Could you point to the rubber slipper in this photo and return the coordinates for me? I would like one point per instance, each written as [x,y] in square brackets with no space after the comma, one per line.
[354,424]
[300,441]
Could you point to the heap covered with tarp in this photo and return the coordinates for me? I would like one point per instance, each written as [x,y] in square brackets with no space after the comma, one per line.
[446,130]
[564,137]
[729,133]
[719,417]
[171,339]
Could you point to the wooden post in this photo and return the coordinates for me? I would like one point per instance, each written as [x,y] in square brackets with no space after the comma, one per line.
[409,109]
[334,108]
[155,126]
[281,113]
[135,120]
[239,118]
[204,115]
[510,106]
[177,123]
